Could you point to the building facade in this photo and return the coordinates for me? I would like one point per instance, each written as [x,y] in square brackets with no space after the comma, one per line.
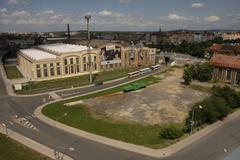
[59,60]
[227,68]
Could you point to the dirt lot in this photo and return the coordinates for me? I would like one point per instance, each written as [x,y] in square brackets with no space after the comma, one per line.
[166,102]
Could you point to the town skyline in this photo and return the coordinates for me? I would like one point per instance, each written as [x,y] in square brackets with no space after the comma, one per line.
[118,15]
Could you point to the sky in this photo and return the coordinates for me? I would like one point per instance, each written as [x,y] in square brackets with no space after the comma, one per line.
[118,15]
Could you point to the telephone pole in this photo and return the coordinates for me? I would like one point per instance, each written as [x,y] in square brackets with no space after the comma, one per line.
[88,17]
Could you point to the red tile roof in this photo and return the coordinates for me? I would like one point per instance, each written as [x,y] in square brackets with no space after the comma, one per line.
[216,47]
[225,61]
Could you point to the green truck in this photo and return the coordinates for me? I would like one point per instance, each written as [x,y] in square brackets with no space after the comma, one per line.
[133,87]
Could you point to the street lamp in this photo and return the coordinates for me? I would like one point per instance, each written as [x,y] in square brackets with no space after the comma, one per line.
[192,122]
[88,17]
[5,126]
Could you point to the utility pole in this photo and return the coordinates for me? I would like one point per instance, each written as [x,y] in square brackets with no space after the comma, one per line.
[88,17]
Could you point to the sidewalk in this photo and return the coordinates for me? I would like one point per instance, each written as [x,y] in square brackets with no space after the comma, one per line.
[7,82]
[33,144]
[158,153]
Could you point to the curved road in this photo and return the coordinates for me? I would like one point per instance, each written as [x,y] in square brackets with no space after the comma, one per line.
[208,148]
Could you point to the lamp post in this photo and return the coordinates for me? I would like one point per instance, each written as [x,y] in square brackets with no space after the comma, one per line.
[5,126]
[192,122]
[88,17]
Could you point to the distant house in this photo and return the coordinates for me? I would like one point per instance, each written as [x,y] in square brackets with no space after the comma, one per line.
[227,68]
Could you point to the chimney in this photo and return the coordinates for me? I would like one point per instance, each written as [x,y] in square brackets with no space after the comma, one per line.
[68,29]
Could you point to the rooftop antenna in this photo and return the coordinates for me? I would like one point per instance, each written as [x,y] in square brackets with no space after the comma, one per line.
[88,17]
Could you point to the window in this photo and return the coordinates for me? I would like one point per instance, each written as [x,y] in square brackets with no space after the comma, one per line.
[58,64]
[228,74]
[51,64]
[44,65]
[238,77]
[84,60]
[38,73]
[78,69]
[95,58]
[58,71]
[71,60]
[95,66]
[77,60]
[66,70]
[52,71]
[65,61]
[38,66]
[85,67]
[72,69]
[45,72]
[220,73]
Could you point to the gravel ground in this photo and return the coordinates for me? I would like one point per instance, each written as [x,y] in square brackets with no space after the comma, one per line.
[165,102]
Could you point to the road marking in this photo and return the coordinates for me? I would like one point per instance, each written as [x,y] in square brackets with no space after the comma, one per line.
[10,122]
[29,117]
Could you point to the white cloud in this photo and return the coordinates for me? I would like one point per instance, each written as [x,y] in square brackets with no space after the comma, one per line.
[3,10]
[12,2]
[5,21]
[105,13]
[198,5]
[125,1]
[212,18]
[174,16]
[20,14]
[45,13]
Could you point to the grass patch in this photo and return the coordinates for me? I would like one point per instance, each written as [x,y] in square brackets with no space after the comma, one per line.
[12,72]
[76,81]
[201,88]
[81,117]
[12,150]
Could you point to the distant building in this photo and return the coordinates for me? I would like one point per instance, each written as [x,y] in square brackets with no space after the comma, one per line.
[230,49]
[227,68]
[231,36]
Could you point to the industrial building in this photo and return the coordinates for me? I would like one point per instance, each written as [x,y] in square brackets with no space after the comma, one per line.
[60,60]
[227,68]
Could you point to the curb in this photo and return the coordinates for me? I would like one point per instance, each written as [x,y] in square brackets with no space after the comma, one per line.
[33,144]
[158,153]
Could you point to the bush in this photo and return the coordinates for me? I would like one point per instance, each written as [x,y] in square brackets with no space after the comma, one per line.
[229,95]
[171,132]
[213,109]
[187,76]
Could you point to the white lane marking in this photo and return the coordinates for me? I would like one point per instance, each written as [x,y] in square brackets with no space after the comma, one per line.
[10,122]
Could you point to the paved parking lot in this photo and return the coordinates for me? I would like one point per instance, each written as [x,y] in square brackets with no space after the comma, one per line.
[164,102]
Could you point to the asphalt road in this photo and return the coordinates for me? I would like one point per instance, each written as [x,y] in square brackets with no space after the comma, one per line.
[208,148]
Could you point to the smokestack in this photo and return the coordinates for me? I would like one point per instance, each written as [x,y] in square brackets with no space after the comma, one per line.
[68,29]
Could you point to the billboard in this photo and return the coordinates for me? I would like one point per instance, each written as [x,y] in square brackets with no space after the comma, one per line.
[110,54]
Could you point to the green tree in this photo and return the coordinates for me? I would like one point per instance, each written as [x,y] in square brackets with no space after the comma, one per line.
[187,76]
[205,71]
[213,109]
[231,96]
